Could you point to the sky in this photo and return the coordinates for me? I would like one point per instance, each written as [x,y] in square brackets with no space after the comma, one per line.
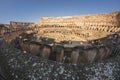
[32,10]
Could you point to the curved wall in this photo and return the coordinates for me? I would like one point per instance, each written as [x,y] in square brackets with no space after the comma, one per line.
[105,21]
[80,26]
[18,66]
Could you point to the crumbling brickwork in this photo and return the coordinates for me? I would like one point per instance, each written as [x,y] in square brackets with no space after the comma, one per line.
[110,19]
[21,24]
[18,66]
[80,28]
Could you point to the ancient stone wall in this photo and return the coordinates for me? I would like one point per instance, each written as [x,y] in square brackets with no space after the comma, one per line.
[61,33]
[16,26]
[18,66]
[110,19]
[21,24]
[9,33]
[4,28]
[80,28]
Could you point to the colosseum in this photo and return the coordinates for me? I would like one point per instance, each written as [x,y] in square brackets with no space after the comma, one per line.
[85,47]
[80,28]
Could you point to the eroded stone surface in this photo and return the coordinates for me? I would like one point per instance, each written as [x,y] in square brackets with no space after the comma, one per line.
[19,66]
[79,28]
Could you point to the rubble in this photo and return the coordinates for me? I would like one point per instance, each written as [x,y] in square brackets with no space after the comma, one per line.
[18,66]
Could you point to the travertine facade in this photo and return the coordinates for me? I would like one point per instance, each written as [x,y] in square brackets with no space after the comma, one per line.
[80,28]
[21,24]
[111,19]
[14,63]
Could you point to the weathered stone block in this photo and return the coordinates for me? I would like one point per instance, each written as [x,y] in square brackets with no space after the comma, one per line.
[18,66]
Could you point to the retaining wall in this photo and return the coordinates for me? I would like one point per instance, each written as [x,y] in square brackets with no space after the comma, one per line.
[18,66]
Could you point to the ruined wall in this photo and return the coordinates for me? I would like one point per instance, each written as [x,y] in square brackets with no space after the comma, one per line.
[106,22]
[21,24]
[80,28]
[110,19]
[18,66]
[73,33]
[4,28]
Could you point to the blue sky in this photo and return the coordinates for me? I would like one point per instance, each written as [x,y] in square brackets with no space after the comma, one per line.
[32,10]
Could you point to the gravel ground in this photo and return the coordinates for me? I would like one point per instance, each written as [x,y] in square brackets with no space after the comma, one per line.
[18,66]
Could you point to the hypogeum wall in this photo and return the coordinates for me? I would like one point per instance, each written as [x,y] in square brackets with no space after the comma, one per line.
[18,66]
